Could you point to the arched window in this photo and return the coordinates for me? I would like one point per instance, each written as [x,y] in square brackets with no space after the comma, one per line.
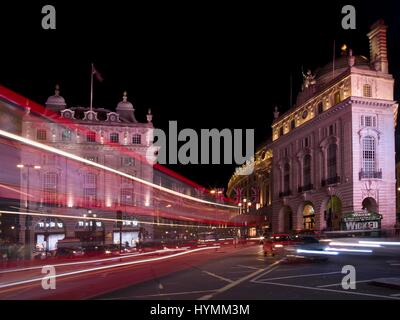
[332,160]
[286,178]
[307,171]
[369,155]
[308,217]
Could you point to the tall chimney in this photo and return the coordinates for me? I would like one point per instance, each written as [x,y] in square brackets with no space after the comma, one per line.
[378,46]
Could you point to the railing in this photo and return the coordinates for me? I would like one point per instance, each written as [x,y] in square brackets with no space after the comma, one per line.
[305,188]
[370,174]
[330,181]
[285,194]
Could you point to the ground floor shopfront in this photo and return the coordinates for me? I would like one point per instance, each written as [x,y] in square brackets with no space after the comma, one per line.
[325,212]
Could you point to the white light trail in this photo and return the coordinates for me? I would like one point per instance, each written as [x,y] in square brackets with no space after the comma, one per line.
[349,244]
[7,285]
[349,250]
[380,243]
[329,253]
[100,166]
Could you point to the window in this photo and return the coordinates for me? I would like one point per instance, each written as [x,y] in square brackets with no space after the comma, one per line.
[332,159]
[367,92]
[336,97]
[292,124]
[281,131]
[362,121]
[309,217]
[368,154]
[92,158]
[50,188]
[136,139]
[320,107]
[127,162]
[306,143]
[331,130]
[286,178]
[368,121]
[307,171]
[66,135]
[127,196]
[41,134]
[114,137]
[91,136]
[90,179]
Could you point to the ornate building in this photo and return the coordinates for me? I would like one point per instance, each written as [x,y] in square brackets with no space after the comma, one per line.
[61,186]
[334,151]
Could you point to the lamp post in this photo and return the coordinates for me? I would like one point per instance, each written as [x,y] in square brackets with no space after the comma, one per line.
[28,218]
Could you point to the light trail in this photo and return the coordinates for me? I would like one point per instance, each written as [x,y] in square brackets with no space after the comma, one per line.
[12,284]
[349,244]
[380,243]
[349,250]
[94,261]
[103,167]
[108,219]
[329,253]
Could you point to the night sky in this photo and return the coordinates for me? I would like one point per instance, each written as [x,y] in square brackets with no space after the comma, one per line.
[204,65]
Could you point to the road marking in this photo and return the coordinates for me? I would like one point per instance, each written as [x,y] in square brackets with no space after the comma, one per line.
[329,290]
[217,276]
[339,284]
[162,294]
[302,276]
[6,285]
[249,267]
[270,268]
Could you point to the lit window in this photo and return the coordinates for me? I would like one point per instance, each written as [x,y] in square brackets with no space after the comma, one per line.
[369,151]
[367,92]
[41,134]
[136,139]
[337,97]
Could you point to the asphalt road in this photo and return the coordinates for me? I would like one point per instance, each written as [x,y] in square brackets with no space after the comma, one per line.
[247,274]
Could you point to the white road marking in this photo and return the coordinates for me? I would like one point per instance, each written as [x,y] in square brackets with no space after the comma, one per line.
[6,285]
[162,294]
[302,276]
[329,290]
[249,267]
[217,276]
[339,284]
[270,268]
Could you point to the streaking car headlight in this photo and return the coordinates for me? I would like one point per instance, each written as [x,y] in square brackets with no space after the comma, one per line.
[108,251]
[278,245]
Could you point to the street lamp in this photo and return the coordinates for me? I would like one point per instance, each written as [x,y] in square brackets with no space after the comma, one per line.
[28,218]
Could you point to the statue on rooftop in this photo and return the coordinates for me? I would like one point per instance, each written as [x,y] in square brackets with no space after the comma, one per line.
[308,79]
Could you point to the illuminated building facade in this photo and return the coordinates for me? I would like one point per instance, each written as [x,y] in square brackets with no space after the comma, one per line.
[334,150]
[58,185]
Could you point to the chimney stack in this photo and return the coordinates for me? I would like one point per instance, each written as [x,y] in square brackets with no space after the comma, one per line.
[378,46]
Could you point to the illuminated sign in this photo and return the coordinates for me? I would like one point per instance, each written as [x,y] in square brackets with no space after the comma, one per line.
[362,221]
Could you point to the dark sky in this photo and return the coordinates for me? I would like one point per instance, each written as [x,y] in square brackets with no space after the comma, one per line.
[202,64]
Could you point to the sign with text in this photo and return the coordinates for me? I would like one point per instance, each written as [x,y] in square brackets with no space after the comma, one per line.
[362,221]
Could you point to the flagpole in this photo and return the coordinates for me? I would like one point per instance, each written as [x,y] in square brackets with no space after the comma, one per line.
[334,57]
[91,89]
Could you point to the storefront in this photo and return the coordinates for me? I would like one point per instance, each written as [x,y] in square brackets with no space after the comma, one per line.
[48,233]
[130,233]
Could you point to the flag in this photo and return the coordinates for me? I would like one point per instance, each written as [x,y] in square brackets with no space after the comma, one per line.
[97,74]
